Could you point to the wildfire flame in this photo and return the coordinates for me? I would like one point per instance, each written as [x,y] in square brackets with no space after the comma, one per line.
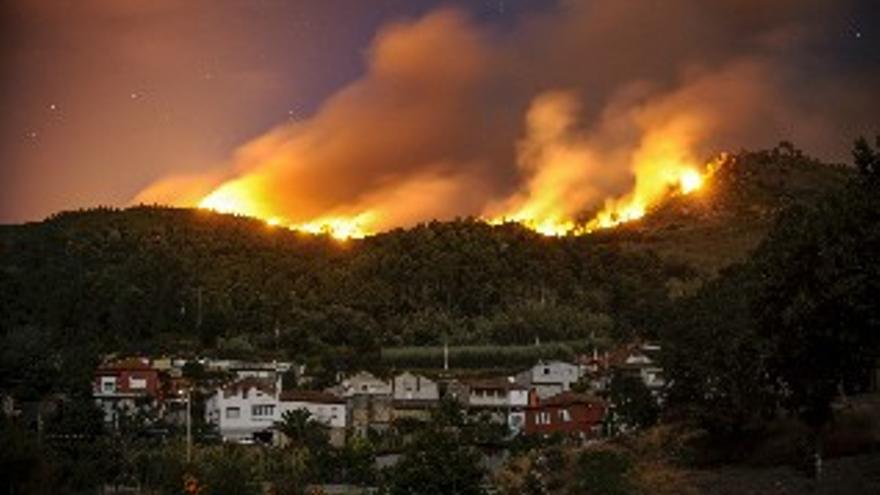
[682,180]
[686,181]
[565,174]
[235,197]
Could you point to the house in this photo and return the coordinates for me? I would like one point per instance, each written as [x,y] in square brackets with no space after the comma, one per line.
[324,407]
[364,383]
[125,386]
[550,378]
[370,411]
[567,412]
[253,370]
[245,409]
[408,386]
[413,396]
[642,361]
[501,397]
[636,360]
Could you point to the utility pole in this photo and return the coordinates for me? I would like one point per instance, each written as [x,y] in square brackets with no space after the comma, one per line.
[445,353]
[188,426]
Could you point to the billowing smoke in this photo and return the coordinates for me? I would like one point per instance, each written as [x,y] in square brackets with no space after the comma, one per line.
[594,107]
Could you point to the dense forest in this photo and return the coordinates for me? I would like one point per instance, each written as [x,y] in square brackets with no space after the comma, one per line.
[164,279]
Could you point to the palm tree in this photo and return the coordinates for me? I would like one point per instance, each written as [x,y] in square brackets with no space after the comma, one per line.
[302,430]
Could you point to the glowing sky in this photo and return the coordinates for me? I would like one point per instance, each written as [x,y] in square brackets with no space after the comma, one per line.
[101,99]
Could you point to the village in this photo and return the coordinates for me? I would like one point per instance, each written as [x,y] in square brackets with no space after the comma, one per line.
[243,401]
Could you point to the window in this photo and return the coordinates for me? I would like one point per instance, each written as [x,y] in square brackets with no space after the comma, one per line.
[262,410]
[233,413]
[137,383]
[564,415]
[543,418]
[108,384]
[546,371]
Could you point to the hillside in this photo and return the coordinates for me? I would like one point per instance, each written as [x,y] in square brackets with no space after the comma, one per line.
[159,278]
[732,213]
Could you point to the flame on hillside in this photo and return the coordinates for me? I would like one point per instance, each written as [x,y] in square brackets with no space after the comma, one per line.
[679,181]
[235,198]
[565,171]
[658,180]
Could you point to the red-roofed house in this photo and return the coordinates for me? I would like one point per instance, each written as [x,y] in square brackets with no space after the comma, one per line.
[568,412]
[124,385]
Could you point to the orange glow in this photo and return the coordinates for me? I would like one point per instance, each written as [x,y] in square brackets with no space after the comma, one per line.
[565,177]
[235,197]
[564,168]
[690,181]
[675,178]
[341,228]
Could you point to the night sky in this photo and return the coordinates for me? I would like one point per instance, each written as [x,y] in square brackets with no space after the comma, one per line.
[103,98]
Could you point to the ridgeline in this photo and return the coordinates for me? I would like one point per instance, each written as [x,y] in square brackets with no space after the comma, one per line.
[156,278]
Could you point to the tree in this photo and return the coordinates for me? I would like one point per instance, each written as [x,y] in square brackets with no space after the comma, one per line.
[816,303]
[303,431]
[715,360]
[437,463]
[867,160]
[632,402]
[229,470]
[357,461]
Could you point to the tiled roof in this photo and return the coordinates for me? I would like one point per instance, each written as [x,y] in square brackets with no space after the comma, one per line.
[497,383]
[261,384]
[570,398]
[316,396]
[131,363]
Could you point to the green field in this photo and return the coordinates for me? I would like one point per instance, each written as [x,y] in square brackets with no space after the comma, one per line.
[482,356]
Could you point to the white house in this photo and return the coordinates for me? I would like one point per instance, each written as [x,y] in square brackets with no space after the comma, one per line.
[643,362]
[411,387]
[244,408]
[502,397]
[364,383]
[550,378]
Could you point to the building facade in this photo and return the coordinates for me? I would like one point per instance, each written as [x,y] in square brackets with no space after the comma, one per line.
[502,398]
[243,409]
[568,413]
[364,383]
[550,378]
[124,386]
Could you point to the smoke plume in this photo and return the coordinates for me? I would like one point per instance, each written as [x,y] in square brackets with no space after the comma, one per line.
[591,109]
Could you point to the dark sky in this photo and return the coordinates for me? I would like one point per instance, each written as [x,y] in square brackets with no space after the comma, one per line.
[102,98]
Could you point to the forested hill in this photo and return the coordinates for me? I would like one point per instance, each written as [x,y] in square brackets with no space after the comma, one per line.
[148,278]
[733,212]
